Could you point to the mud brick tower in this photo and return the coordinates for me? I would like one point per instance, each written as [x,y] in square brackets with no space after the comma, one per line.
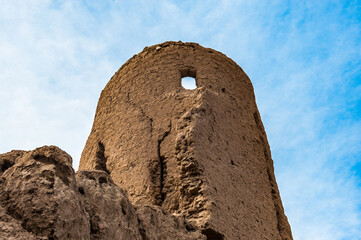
[199,154]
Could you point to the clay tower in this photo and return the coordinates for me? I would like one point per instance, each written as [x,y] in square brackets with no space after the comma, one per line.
[199,154]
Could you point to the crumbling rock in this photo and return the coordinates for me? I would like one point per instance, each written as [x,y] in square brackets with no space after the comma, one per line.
[112,216]
[9,159]
[40,191]
[161,162]
[41,197]
[155,223]
[11,229]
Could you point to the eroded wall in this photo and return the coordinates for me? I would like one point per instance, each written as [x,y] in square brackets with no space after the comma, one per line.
[200,154]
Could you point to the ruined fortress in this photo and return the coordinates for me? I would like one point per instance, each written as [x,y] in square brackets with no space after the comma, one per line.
[161,161]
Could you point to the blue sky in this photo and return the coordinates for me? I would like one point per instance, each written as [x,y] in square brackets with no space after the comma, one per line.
[303,57]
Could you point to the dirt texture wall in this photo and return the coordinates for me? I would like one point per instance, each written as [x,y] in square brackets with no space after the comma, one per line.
[199,154]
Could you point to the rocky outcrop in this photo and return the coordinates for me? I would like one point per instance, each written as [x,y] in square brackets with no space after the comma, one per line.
[161,162]
[9,159]
[41,197]
[111,215]
[40,191]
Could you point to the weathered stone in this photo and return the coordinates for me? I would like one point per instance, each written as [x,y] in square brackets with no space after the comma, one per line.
[155,223]
[7,160]
[202,154]
[40,191]
[112,216]
[41,197]
[11,229]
